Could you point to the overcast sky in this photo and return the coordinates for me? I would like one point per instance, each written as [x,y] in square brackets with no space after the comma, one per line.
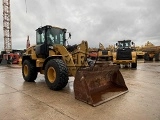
[105,21]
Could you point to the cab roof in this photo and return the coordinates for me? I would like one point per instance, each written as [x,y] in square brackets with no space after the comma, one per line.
[49,26]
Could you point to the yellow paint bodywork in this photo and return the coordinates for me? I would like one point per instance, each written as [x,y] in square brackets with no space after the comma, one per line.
[133,60]
[73,60]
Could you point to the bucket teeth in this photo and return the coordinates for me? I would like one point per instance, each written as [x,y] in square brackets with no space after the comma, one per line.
[98,84]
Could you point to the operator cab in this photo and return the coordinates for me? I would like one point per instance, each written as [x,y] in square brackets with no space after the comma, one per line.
[48,36]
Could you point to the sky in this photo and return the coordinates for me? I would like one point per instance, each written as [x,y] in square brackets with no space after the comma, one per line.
[96,21]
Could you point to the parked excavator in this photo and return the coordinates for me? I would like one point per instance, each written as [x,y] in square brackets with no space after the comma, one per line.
[51,56]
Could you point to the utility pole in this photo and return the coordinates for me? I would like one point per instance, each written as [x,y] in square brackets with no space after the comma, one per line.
[7,26]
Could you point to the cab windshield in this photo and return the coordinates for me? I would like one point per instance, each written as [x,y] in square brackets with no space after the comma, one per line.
[53,35]
[124,44]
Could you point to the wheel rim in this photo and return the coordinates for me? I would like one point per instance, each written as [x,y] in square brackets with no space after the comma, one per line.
[51,73]
[25,70]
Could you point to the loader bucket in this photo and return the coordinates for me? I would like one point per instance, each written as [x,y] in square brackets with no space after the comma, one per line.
[99,84]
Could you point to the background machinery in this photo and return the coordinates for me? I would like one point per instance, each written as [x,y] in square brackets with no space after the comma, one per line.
[151,51]
[101,53]
[51,57]
[93,53]
[7,26]
[8,55]
[104,53]
[125,53]
[140,53]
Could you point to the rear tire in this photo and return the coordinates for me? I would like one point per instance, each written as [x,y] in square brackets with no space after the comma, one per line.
[157,56]
[29,71]
[56,74]
[146,57]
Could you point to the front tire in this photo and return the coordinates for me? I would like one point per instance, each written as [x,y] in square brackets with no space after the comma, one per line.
[56,74]
[29,71]
[134,65]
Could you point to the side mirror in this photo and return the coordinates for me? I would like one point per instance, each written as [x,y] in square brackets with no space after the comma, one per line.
[116,44]
[68,35]
[132,43]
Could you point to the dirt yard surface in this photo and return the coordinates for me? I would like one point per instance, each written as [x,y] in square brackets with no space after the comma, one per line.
[21,100]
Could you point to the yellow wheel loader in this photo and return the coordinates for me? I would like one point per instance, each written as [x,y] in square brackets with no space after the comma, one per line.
[51,57]
[125,53]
